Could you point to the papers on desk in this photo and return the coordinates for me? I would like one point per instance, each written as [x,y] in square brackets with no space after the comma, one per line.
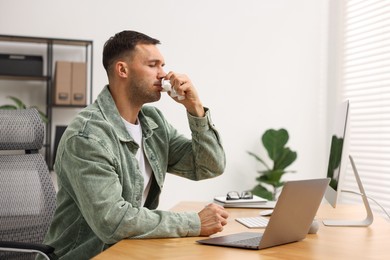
[256,202]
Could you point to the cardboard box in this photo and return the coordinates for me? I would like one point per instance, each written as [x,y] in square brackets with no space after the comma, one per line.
[62,83]
[70,83]
[79,84]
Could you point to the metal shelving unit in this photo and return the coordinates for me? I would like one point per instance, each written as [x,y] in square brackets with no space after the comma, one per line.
[49,43]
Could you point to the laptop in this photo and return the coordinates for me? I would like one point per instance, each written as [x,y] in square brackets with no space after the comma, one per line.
[290,222]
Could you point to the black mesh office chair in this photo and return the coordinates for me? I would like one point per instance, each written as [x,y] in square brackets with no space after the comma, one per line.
[27,194]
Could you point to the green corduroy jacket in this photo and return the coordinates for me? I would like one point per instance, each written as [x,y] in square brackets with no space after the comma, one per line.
[100,184]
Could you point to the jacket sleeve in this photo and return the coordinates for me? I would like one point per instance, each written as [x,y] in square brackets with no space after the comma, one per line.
[90,178]
[203,156]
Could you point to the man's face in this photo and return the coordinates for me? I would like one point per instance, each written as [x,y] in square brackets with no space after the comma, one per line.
[145,73]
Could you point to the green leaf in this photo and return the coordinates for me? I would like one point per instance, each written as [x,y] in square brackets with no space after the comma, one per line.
[261,191]
[274,141]
[9,107]
[43,115]
[18,102]
[259,159]
[271,177]
[286,157]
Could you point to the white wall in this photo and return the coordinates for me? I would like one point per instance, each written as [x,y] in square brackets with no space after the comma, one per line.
[257,64]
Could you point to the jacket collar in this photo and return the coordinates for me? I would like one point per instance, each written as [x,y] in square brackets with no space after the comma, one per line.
[110,112]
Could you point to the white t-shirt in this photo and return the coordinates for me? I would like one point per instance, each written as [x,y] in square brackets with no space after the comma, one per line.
[136,132]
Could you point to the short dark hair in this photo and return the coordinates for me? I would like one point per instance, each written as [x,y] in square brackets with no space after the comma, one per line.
[123,43]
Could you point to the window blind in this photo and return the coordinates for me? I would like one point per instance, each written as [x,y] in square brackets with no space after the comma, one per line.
[365,81]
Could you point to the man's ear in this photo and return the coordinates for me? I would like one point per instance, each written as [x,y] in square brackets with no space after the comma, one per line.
[121,69]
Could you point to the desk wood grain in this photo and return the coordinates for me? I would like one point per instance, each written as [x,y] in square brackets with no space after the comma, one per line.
[371,242]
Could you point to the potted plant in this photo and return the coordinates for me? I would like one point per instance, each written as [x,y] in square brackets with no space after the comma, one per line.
[20,105]
[274,142]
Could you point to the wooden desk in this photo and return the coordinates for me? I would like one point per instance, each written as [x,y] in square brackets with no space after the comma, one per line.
[372,242]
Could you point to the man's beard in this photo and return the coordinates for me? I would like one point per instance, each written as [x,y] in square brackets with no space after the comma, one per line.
[141,93]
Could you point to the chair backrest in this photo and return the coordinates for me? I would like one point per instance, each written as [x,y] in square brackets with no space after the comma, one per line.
[27,194]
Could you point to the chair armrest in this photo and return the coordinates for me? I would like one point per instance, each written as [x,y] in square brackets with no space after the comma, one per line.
[45,249]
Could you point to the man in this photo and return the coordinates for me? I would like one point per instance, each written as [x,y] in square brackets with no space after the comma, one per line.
[112,159]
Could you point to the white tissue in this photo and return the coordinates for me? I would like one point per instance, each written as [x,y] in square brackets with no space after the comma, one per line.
[166,85]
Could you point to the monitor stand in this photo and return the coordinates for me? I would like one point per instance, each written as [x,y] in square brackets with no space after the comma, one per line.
[355,223]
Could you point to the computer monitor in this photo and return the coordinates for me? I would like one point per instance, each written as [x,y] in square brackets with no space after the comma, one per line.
[337,166]
[338,155]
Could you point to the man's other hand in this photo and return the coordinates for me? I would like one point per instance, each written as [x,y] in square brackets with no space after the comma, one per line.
[212,219]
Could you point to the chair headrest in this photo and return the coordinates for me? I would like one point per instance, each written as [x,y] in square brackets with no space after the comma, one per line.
[21,129]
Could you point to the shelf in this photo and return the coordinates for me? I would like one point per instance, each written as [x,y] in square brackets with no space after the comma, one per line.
[49,44]
[67,106]
[57,41]
[27,78]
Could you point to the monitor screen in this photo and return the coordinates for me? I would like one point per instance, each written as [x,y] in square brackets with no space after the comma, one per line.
[338,155]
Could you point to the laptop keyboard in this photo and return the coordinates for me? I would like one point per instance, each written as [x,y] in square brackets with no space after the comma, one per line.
[252,242]
[253,222]
[249,242]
